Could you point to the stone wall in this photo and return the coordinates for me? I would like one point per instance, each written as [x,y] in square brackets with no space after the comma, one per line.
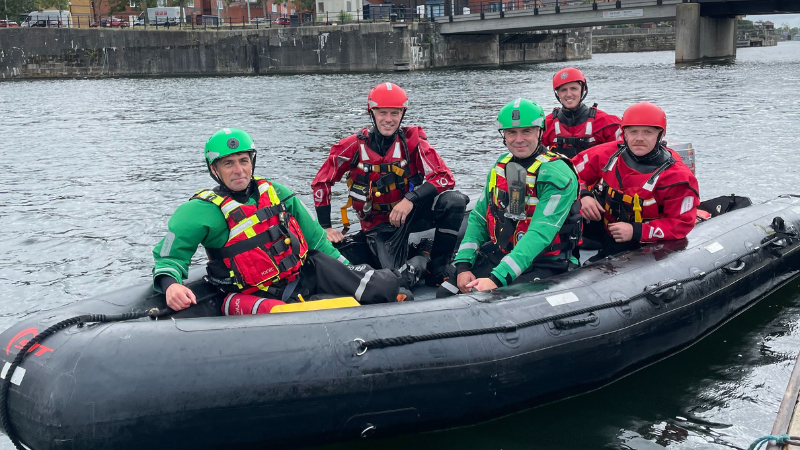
[379,47]
[564,45]
[633,43]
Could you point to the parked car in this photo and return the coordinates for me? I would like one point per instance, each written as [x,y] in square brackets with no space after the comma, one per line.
[8,24]
[47,18]
[110,22]
[256,20]
[282,21]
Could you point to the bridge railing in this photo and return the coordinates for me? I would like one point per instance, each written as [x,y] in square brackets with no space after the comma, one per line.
[483,7]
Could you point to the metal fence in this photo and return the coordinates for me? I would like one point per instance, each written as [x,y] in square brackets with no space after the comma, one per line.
[632,30]
[464,7]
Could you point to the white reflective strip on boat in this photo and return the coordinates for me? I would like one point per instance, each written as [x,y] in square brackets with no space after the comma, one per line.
[512,265]
[468,246]
[648,202]
[714,248]
[256,305]
[230,206]
[364,155]
[558,127]
[589,128]
[582,164]
[396,153]
[562,299]
[19,373]
[363,285]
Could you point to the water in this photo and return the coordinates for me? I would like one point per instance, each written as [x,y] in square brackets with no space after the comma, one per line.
[91,170]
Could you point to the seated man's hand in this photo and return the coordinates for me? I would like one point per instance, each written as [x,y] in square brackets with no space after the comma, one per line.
[398,215]
[463,279]
[180,297]
[334,235]
[591,208]
[482,284]
[621,231]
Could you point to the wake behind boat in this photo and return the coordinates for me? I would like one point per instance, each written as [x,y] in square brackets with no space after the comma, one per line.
[195,380]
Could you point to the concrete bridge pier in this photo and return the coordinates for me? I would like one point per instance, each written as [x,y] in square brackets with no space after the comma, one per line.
[698,37]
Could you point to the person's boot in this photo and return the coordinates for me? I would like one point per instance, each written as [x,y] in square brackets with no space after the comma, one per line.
[436,276]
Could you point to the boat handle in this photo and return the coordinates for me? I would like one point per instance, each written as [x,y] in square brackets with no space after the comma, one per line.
[737,268]
[360,343]
[368,431]
[564,324]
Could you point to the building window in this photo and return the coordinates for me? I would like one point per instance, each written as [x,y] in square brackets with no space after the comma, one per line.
[349,6]
[162,3]
[190,4]
[321,7]
[132,3]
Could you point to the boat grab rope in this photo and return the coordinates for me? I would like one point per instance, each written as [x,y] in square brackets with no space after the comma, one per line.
[783,439]
[781,233]
[80,321]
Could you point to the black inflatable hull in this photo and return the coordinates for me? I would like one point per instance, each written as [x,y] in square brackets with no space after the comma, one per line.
[297,379]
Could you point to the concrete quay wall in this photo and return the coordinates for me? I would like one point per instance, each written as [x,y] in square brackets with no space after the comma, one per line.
[380,47]
[633,43]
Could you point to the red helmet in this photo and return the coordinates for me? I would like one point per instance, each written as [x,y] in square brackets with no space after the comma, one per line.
[387,95]
[568,75]
[645,114]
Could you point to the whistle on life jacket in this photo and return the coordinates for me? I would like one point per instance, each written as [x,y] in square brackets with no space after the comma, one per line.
[516,178]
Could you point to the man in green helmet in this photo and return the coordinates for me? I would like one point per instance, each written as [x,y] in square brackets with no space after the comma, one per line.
[264,248]
[526,224]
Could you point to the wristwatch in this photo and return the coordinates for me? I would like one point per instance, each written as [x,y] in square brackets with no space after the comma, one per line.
[412,196]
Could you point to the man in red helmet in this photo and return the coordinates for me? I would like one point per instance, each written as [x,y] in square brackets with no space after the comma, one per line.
[642,191]
[575,127]
[398,184]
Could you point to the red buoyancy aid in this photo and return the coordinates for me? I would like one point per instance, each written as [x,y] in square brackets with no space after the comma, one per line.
[377,183]
[570,141]
[505,232]
[265,247]
[637,202]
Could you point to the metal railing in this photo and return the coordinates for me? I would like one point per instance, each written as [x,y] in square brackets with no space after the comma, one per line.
[467,7]
[632,30]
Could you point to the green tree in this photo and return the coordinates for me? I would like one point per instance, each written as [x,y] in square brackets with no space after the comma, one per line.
[181,4]
[13,8]
[117,6]
[304,5]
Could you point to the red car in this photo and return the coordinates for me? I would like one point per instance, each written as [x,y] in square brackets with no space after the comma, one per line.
[281,21]
[8,24]
[110,22]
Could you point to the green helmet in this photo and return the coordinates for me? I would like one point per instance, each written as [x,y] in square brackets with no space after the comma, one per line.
[520,113]
[228,141]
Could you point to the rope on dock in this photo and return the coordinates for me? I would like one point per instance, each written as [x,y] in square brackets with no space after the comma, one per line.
[783,439]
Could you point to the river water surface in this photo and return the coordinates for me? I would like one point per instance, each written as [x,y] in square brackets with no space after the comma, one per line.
[90,171]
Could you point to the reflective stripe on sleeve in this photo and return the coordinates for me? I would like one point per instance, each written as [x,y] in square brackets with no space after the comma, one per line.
[512,265]
[468,246]
[363,285]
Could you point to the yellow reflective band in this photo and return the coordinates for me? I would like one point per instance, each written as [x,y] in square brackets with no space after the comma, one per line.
[242,226]
[273,196]
[250,232]
[345,219]
[329,303]
[637,208]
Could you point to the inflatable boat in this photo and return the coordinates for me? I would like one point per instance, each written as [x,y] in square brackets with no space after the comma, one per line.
[115,372]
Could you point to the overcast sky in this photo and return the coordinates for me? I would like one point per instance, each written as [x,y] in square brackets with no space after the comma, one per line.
[779,19]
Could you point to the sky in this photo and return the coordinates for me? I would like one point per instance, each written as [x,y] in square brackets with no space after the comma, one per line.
[778,19]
